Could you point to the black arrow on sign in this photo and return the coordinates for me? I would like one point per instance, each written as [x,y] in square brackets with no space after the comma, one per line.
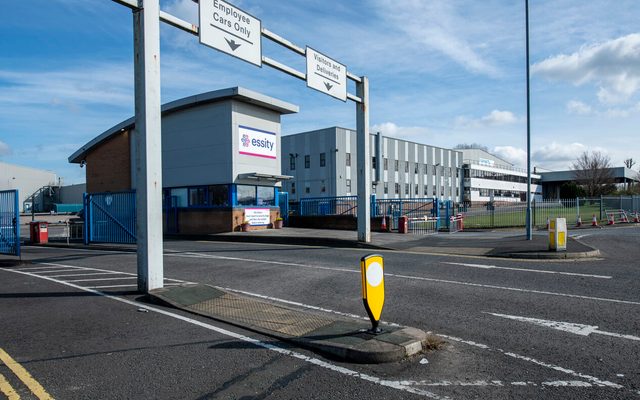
[232,43]
[328,85]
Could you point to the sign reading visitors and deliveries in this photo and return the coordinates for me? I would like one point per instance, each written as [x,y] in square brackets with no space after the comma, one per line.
[257,143]
[326,75]
[227,28]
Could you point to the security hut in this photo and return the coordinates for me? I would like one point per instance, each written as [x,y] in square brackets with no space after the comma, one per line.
[220,161]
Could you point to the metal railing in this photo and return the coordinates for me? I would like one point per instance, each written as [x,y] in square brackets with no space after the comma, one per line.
[423,226]
[341,205]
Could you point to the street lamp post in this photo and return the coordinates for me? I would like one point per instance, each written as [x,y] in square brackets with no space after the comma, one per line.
[528,221]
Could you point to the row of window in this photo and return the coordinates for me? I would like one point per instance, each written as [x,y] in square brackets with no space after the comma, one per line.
[213,196]
[408,166]
[496,192]
[498,176]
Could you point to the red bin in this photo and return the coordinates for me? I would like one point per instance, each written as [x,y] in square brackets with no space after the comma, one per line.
[39,232]
[403,225]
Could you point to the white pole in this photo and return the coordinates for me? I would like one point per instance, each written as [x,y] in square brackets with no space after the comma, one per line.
[146,26]
[364,161]
[529,230]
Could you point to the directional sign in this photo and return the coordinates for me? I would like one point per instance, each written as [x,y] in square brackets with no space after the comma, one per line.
[227,28]
[326,75]
[372,271]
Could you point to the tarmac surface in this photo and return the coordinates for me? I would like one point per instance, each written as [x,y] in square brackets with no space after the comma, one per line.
[348,339]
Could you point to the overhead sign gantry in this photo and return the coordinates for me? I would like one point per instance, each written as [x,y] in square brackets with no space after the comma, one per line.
[233,31]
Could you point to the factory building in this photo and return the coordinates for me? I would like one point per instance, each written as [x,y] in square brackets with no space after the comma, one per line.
[322,163]
[220,160]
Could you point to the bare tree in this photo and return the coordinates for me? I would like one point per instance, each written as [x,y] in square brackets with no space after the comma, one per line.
[629,163]
[593,172]
[465,146]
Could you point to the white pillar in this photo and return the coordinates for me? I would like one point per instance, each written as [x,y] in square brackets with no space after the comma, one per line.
[364,161]
[148,163]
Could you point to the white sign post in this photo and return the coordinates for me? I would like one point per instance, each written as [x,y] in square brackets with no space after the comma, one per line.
[230,30]
[326,75]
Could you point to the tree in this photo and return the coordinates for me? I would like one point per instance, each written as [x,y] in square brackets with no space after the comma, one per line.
[466,146]
[593,172]
[629,163]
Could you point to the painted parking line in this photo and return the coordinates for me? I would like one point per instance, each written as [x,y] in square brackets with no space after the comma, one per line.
[246,261]
[85,274]
[539,271]
[398,385]
[7,389]
[103,279]
[26,378]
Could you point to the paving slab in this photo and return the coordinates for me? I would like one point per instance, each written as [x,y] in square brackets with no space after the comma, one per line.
[347,339]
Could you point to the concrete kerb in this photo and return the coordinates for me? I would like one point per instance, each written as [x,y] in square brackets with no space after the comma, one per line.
[328,334]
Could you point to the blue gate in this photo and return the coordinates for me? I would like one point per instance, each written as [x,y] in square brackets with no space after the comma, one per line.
[110,217]
[9,223]
[283,203]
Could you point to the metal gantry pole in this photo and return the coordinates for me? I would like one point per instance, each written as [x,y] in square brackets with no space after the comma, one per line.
[528,222]
[363,162]
[148,154]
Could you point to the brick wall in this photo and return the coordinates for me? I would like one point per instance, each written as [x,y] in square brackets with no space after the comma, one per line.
[108,166]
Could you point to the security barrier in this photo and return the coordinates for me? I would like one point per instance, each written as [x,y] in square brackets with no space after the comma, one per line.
[110,217]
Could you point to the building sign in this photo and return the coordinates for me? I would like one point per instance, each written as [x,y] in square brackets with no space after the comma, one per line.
[227,28]
[257,143]
[485,161]
[257,216]
[326,75]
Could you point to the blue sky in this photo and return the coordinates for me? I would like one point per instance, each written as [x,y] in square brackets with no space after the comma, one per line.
[441,72]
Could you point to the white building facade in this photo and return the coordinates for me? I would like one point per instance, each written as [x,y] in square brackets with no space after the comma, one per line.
[322,163]
[488,178]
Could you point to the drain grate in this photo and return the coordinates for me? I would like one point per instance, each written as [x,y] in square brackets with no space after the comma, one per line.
[260,314]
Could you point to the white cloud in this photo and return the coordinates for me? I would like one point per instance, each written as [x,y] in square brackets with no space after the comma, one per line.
[5,150]
[392,130]
[494,118]
[512,154]
[578,107]
[440,26]
[612,66]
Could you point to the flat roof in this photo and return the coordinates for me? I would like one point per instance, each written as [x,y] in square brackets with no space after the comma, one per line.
[619,174]
[234,93]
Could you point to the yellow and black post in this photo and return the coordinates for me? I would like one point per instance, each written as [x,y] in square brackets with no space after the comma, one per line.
[372,271]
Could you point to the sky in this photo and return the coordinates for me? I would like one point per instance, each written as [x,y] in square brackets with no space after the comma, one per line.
[441,72]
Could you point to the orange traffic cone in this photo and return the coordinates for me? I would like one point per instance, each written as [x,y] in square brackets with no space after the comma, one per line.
[636,218]
[579,222]
[383,226]
[612,220]
[594,221]
[624,218]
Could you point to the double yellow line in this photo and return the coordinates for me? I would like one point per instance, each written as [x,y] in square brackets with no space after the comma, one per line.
[24,376]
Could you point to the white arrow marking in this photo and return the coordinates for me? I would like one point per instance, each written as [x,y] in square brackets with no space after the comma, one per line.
[540,271]
[578,329]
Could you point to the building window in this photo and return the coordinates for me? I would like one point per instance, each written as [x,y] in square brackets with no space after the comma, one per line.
[323,187]
[323,160]
[417,168]
[416,191]
[347,157]
[397,188]
[426,192]
[293,188]
[198,197]
[386,164]
[406,166]
[292,162]
[219,195]
[307,161]
[307,188]
[180,197]
[386,187]
[246,195]
[374,163]
[266,196]
[396,164]
[406,188]
[348,184]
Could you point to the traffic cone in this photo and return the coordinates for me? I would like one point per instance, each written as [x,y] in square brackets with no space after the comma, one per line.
[579,222]
[636,218]
[624,218]
[383,226]
[594,221]
[612,220]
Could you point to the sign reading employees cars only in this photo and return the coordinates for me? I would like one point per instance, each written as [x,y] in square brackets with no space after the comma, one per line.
[326,75]
[227,28]
[256,142]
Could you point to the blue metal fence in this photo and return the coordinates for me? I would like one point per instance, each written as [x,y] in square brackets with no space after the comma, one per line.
[110,217]
[283,203]
[9,223]
[341,205]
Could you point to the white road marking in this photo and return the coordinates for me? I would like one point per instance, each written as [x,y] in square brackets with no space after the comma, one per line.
[419,278]
[399,385]
[84,274]
[577,329]
[540,271]
[94,269]
[110,286]
[103,279]
[567,384]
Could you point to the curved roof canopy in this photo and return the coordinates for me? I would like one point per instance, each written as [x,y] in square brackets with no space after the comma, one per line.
[235,93]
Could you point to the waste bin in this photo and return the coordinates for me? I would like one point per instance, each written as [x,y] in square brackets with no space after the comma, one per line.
[403,225]
[39,232]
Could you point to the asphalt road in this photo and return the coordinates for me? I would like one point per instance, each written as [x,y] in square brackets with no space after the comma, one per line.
[509,326]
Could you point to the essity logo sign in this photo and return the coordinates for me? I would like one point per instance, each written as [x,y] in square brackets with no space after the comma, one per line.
[257,143]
